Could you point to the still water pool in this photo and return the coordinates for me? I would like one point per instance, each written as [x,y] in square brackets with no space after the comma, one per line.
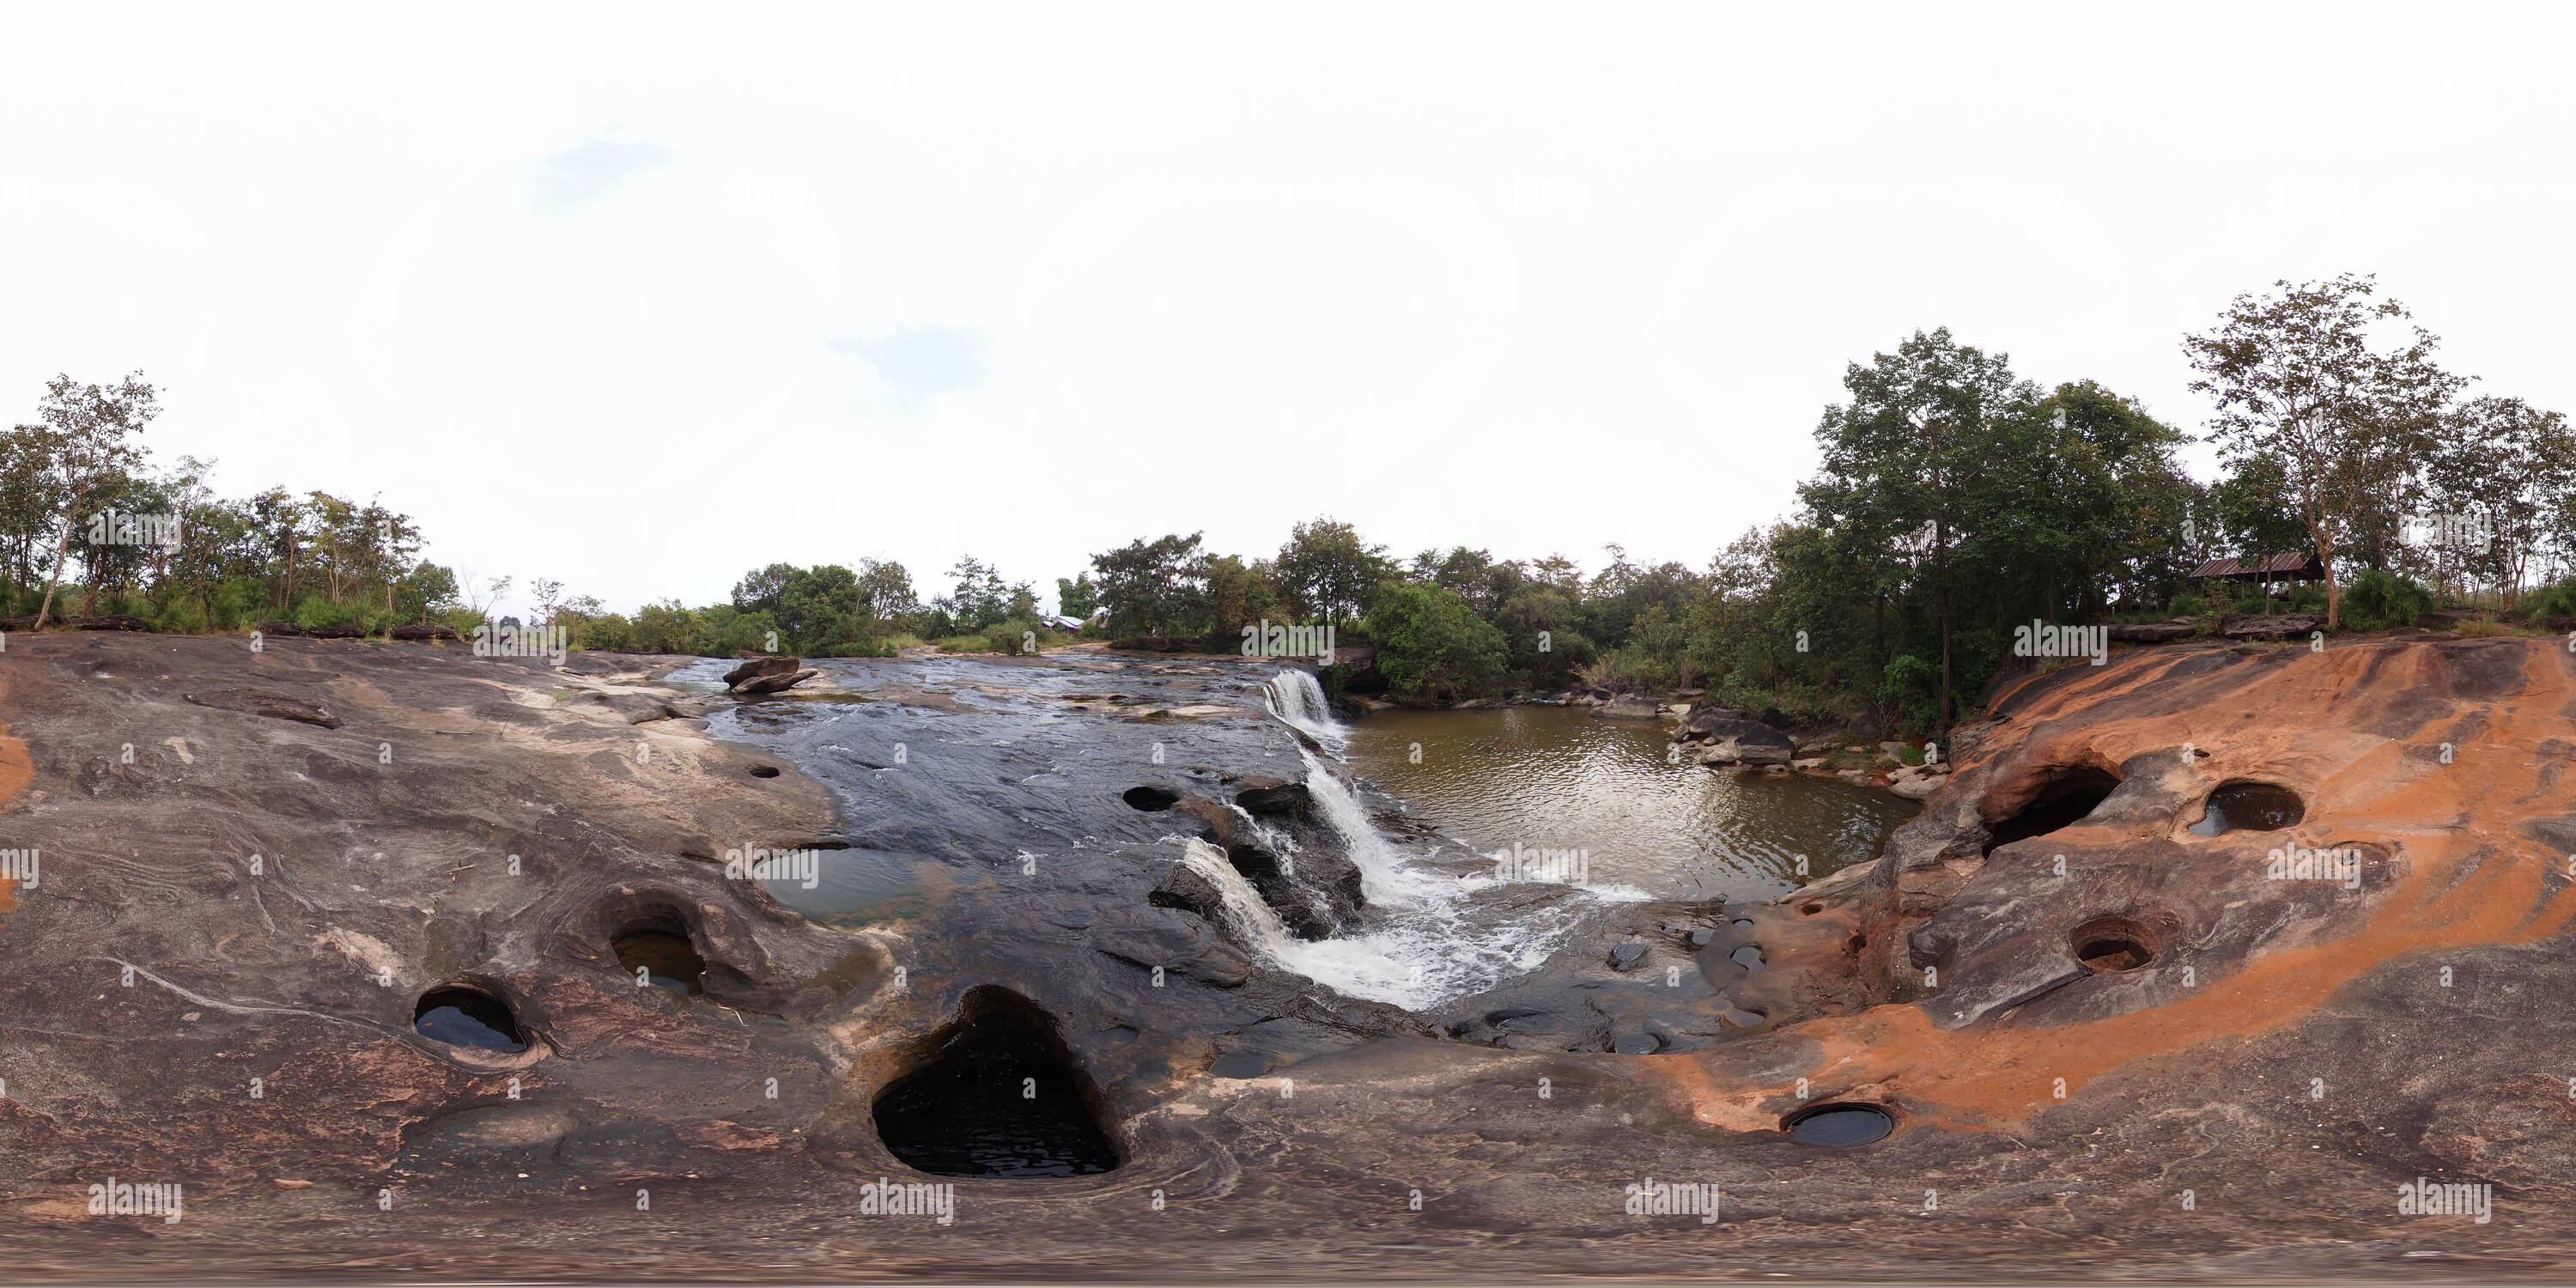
[1561,778]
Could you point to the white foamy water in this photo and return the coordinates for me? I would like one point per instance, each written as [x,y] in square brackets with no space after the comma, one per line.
[1299,703]
[1415,958]
[1428,940]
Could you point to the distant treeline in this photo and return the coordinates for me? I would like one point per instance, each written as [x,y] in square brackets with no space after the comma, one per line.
[1955,502]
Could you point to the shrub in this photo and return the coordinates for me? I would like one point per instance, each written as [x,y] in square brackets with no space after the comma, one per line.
[2377,600]
[2556,600]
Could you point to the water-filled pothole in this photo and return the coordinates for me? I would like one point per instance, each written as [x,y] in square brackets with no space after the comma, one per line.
[2068,795]
[1839,1125]
[2249,807]
[2113,944]
[664,955]
[468,1017]
[1000,1096]
[1151,798]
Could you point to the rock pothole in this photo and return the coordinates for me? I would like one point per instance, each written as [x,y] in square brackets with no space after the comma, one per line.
[1151,799]
[464,1016]
[997,1095]
[2248,806]
[2110,944]
[656,948]
[2063,800]
[1840,1125]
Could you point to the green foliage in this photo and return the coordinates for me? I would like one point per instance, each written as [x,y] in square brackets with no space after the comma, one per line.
[1077,597]
[2376,601]
[2555,600]
[1327,572]
[1432,647]
[1156,587]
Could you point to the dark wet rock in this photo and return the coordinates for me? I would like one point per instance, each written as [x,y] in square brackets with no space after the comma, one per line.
[419,633]
[1186,889]
[1286,800]
[1192,951]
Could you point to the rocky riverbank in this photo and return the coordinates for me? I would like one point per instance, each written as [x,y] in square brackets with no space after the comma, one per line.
[2068,1008]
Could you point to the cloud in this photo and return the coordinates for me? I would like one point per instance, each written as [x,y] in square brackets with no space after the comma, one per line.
[582,174]
[921,363]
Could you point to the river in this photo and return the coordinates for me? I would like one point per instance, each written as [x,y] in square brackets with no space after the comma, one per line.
[1557,778]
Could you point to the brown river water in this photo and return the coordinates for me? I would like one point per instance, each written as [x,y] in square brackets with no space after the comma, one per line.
[1558,778]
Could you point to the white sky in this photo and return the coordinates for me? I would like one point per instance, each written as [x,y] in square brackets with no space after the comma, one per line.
[641,298]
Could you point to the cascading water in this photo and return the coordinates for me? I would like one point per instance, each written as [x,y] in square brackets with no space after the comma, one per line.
[1252,921]
[1299,703]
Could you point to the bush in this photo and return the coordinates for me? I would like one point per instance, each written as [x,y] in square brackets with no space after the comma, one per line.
[2376,601]
[2557,600]
[860,648]
[608,633]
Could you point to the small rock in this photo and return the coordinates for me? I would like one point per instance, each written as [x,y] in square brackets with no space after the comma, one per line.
[1626,956]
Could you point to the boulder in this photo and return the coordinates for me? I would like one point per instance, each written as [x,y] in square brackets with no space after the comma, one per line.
[1629,706]
[769,674]
[426,633]
[1735,742]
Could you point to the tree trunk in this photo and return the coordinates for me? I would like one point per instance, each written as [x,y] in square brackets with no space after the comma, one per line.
[62,551]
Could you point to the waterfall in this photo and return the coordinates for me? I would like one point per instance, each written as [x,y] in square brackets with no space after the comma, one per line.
[1299,703]
[1427,941]
[1383,877]
[1251,920]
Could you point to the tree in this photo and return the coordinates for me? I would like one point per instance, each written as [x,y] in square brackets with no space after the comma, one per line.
[1432,647]
[428,588]
[1328,571]
[1076,597]
[981,600]
[1905,460]
[2302,389]
[83,437]
[2506,466]
[1153,586]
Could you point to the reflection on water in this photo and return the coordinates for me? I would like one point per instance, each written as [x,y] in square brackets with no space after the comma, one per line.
[1559,777]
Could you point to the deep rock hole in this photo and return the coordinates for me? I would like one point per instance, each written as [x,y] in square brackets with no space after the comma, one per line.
[658,944]
[2249,807]
[1839,1125]
[467,1017]
[999,1096]
[2107,944]
[2063,801]
[1151,798]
